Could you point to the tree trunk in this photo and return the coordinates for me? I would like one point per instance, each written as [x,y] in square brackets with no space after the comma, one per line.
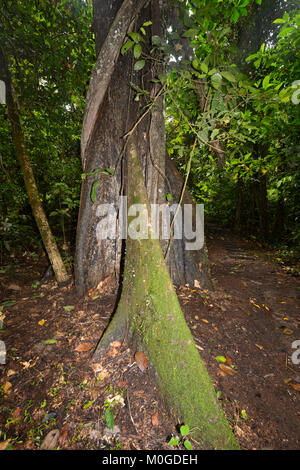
[30,183]
[239,205]
[98,260]
[148,312]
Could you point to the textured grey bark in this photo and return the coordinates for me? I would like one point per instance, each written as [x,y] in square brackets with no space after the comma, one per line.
[96,261]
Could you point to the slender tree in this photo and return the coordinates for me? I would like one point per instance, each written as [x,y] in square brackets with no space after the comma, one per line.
[29,179]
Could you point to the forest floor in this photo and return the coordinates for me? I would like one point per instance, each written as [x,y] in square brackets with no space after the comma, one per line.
[52,396]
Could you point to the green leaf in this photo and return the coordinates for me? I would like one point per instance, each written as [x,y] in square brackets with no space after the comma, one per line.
[88,404]
[184,430]
[169,197]
[174,441]
[203,67]
[93,190]
[190,33]
[126,47]
[196,63]
[68,308]
[147,23]
[136,37]
[214,133]
[265,82]
[221,359]
[137,50]
[244,414]
[216,80]
[229,76]
[187,444]
[50,341]
[235,16]
[139,65]
[109,419]
[8,303]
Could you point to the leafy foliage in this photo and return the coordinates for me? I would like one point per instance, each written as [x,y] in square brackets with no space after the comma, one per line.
[50,51]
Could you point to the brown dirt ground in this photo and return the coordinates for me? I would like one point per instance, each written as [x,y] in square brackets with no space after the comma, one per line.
[251,318]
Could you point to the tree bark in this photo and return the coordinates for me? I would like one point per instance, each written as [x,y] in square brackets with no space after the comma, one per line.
[29,179]
[150,313]
[99,260]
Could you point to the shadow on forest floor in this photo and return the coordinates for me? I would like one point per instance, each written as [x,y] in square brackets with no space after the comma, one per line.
[49,388]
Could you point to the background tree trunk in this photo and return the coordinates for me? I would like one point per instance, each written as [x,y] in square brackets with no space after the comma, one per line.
[29,179]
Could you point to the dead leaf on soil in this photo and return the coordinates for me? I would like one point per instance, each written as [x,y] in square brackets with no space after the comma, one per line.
[287,331]
[114,349]
[7,388]
[83,347]
[63,437]
[4,444]
[14,287]
[16,413]
[295,386]
[227,369]
[259,346]
[50,441]
[141,360]
[155,419]
[228,359]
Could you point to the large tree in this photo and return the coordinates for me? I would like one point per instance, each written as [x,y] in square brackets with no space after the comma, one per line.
[123,153]
[110,113]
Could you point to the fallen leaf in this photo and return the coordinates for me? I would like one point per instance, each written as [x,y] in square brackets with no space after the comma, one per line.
[287,380]
[204,320]
[255,305]
[41,322]
[227,369]
[68,308]
[14,287]
[287,331]
[10,372]
[155,419]
[141,360]
[50,441]
[295,386]
[259,346]
[229,361]
[4,444]
[16,413]
[220,358]
[6,387]
[83,347]
[197,284]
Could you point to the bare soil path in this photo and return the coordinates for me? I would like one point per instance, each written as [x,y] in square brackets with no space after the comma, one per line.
[250,320]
